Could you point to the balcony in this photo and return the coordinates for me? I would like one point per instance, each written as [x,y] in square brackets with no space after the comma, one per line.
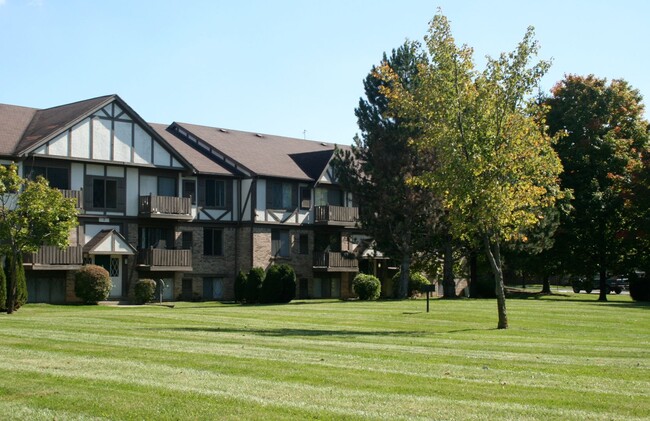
[336,215]
[54,258]
[158,260]
[167,207]
[336,261]
[78,195]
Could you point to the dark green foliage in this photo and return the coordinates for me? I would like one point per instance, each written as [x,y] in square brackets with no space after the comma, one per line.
[416,282]
[279,285]
[485,286]
[400,216]
[21,284]
[3,289]
[639,287]
[367,287]
[254,282]
[603,134]
[240,287]
[92,284]
[144,291]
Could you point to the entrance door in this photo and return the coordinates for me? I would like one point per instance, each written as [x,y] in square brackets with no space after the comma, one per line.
[113,264]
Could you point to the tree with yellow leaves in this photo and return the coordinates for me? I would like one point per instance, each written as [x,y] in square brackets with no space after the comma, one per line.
[497,171]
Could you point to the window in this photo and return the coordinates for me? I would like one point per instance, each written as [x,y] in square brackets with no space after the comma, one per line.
[156,237]
[326,288]
[305,197]
[166,186]
[280,195]
[212,288]
[332,197]
[186,240]
[215,193]
[189,190]
[104,193]
[58,178]
[280,245]
[212,242]
[304,243]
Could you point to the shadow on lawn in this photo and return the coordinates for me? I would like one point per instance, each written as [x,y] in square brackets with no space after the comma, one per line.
[301,332]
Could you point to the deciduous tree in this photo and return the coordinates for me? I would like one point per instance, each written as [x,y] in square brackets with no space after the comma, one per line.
[496,169]
[31,215]
[604,135]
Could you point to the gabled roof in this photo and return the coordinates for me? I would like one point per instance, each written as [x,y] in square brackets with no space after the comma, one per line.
[51,121]
[14,120]
[266,155]
[109,242]
[195,158]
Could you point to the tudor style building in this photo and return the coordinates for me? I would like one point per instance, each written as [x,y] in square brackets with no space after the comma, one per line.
[191,205]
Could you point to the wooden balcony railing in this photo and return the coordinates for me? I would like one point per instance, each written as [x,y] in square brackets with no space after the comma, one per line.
[74,194]
[336,261]
[163,259]
[50,255]
[336,215]
[166,207]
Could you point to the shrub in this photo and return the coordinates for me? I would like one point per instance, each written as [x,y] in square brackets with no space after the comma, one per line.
[145,291]
[639,287]
[279,285]
[240,287]
[92,284]
[253,284]
[367,287]
[416,281]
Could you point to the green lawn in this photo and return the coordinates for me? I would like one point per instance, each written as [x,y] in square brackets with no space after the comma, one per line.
[563,358]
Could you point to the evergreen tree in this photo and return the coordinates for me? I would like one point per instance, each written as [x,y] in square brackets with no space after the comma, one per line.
[401,216]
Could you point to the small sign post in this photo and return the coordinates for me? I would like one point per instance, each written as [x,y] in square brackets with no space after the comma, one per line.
[428,289]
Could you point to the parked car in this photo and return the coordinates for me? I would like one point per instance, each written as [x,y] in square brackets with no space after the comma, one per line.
[615,284]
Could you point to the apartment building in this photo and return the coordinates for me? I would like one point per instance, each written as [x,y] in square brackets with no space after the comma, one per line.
[190,205]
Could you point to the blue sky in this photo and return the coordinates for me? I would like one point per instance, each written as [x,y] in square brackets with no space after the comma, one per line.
[283,67]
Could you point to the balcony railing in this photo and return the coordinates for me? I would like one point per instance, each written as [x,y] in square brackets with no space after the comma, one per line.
[166,207]
[54,256]
[163,259]
[335,215]
[78,195]
[336,261]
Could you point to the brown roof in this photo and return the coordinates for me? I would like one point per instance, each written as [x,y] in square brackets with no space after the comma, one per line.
[195,158]
[52,120]
[13,123]
[267,155]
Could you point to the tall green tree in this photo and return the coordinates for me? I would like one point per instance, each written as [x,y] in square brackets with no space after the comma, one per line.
[31,215]
[604,134]
[401,217]
[496,169]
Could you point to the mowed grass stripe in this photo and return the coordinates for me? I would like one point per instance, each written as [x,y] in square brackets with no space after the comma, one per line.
[391,351]
[271,393]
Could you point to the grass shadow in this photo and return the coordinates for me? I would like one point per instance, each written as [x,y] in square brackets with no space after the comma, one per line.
[299,332]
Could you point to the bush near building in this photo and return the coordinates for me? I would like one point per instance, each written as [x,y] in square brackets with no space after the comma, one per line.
[416,282]
[279,285]
[144,291]
[366,287]
[92,284]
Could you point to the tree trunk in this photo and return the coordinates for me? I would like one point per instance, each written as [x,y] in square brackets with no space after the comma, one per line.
[405,269]
[494,256]
[546,285]
[602,261]
[11,284]
[473,273]
[448,284]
